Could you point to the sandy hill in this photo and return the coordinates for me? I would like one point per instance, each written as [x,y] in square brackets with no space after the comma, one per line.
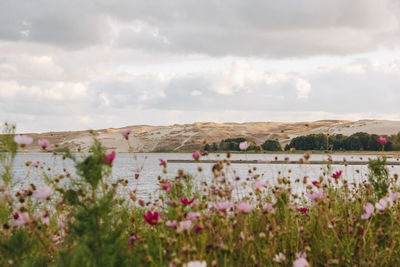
[178,137]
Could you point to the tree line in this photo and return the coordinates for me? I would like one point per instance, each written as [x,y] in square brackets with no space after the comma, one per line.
[338,142]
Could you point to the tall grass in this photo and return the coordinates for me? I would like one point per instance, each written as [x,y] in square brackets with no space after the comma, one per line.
[85,222]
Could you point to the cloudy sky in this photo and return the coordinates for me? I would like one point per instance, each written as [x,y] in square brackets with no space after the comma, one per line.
[68,65]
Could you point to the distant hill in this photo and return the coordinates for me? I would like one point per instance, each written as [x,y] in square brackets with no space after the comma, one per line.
[186,137]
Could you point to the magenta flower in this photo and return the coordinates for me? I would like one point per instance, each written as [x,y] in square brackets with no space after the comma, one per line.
[136,175]
[126,133]
[193,216]
[337,174]
[185,225]
[132,240]
[316,183]
[382,140]
[43,193]
[303,210]
[222,206]
[152,218]
[141,202]
[166,185]
[244,207]
[244,145]
[368,211]
[186,202]
[196,155]
[198,228]
[22,219]
[111,157]
[43,143]
[316,195]
[23,140]
[163,163]
[171,223]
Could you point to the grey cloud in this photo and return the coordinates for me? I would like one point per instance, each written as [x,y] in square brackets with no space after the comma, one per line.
[218,28]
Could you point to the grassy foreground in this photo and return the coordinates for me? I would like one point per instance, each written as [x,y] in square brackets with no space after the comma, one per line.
[85,220]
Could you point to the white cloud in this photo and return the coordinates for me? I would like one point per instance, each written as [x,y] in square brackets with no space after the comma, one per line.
[303,88]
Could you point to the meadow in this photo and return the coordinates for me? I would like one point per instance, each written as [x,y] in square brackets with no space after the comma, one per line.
[83,219]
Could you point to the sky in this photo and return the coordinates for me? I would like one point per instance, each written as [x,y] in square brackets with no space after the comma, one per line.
[76,65]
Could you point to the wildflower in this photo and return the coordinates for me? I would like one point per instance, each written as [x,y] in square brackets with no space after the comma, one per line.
[111,157]
[303,210]
[152,218]
[221,206]
[316,195]
[172,203]
[126,133]
[382,140]
[141,202]
[132,240]
[185,225]
[35,164]
[368,210]
[381,204]
[43,193]
[171,223]
[196,155]
[186,202]
[268,207]
[259,185]
[43,143]
[244,145]
[337,174]
[394,196]
[166,185]
[195,264]
[198,228]
[315,183]
[301,260]
[163,163]
[280,258]
[8,197]
[136,175]
[244,207]
[262,235]
[193,216]
[23,140]
[132,196]
[45,220]
[22,219]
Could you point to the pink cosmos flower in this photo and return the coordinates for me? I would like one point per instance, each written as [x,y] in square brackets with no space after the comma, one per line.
[22,219]
[132,240]
[163,163]
[43,193]
[43,143]
[244,207]
[185,225]
[45,220]
[111,157]
[394,196]
[23,140]
[259,185]
[221,206]
[141,202]
[301,261]
[186,202]
[152,218]
[126,133]
[382,204]
[244,145]
[196,155]
[316,195]
[316,183]
[268,207]
[337,174]
[382,140]
[171,223]
[193,216]
[368,210]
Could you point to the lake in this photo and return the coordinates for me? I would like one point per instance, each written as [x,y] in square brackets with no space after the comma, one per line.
[147,164]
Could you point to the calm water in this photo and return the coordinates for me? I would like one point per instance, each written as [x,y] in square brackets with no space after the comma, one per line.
[147,164]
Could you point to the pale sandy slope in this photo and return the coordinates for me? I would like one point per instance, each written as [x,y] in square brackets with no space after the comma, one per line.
[179,137]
